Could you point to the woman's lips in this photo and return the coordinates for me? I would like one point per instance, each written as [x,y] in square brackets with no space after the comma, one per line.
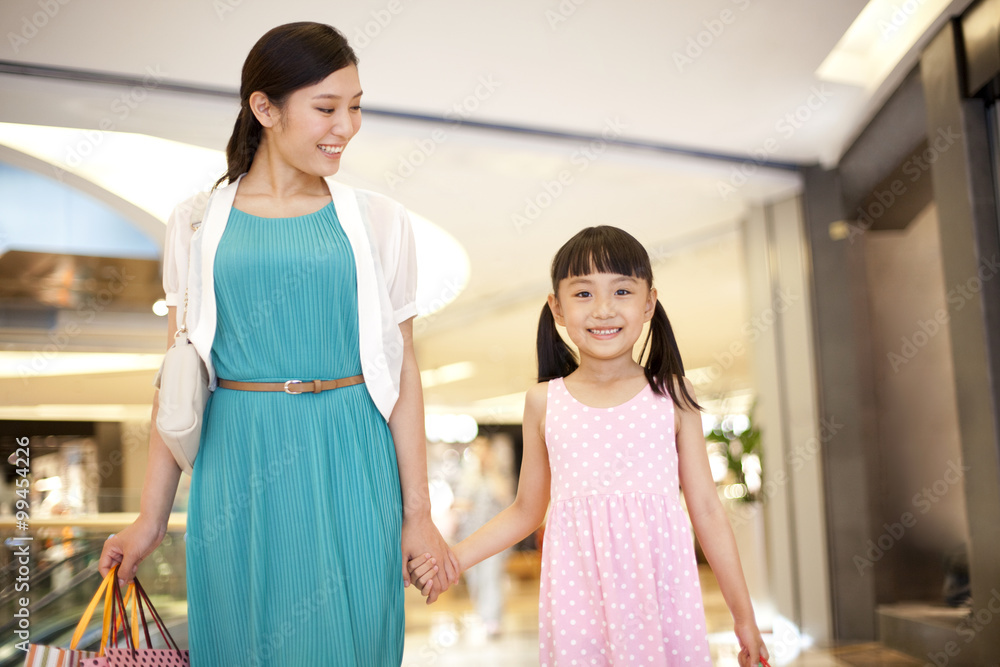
[332,151]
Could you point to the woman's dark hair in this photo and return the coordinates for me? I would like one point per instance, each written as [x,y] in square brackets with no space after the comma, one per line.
[611,250]
[286,58]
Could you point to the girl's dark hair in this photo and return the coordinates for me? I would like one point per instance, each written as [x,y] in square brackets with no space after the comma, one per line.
[611,250]
[286,58]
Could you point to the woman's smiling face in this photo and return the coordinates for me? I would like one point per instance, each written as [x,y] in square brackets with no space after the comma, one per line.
[313,127]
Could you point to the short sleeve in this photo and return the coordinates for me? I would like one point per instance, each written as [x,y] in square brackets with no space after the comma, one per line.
[401,277]
[177,246]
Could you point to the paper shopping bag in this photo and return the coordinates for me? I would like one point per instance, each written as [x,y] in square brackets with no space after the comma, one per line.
[132,656]
[53,656]
[58,656]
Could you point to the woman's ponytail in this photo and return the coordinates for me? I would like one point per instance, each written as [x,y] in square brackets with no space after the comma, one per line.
[664,361]
[242,145]
[555,359]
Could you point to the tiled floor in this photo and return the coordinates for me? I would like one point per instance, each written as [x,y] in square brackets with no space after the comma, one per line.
[450,634]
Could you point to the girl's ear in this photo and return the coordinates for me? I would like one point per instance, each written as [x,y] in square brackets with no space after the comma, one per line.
[262,109]
[557,314]
[650,305]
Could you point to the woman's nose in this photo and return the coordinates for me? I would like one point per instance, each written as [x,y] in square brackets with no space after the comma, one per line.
[342,127]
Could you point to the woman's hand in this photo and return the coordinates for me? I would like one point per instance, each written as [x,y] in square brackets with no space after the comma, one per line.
[421,537]
[130,547]
[752,649]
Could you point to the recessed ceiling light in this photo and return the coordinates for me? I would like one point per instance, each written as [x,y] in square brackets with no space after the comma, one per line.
[882,34]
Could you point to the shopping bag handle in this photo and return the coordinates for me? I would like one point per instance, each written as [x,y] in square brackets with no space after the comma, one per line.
[140,598]
[106,589]
[131,598]
[119,605]
[141,592]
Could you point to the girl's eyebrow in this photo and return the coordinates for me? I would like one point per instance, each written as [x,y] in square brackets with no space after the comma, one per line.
[584,280]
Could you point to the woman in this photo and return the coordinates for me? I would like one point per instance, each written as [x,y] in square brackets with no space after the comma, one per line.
[301,494]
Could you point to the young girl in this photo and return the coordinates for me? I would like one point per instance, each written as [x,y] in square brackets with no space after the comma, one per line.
[609,441]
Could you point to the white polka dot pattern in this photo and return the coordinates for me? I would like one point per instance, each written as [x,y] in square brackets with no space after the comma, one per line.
[619,578]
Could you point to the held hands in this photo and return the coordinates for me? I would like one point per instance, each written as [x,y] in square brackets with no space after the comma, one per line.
[752,649]
[423,570]
[422,541]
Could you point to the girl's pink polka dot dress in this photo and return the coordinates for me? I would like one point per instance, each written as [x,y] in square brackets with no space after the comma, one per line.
[619,579]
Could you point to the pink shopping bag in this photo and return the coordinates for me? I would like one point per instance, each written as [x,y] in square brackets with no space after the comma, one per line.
[132,655]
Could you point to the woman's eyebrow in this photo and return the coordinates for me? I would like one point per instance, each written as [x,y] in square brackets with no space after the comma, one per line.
[336,97]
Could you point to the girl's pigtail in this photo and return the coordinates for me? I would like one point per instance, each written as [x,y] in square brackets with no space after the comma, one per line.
[664,361]
[555,358]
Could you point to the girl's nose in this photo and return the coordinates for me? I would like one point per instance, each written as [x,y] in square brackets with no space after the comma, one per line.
[604,309]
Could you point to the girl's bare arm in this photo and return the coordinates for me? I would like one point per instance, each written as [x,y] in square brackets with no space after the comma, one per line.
[711,526]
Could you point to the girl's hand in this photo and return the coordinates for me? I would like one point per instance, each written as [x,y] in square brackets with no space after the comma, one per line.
[752,649]
[421,536]
[130,547]
[423,569]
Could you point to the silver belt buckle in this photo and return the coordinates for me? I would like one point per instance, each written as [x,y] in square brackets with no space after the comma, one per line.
[289,391]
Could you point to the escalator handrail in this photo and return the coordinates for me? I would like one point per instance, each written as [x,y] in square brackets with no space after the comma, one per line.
[78,579]
[43,573]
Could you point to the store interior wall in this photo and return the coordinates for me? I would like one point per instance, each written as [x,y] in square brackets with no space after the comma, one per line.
[778,278]
[965,194]
[922,518]
[879,280]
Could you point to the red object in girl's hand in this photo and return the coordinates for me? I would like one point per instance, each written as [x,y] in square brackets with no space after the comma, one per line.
[764,662]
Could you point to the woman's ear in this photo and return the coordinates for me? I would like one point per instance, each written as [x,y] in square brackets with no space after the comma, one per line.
[262,109]
[650,305]
[557,313]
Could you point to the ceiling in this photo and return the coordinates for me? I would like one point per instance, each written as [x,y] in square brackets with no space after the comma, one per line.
[664,80]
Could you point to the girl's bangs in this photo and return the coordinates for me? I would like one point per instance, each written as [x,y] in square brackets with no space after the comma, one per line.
[601,250]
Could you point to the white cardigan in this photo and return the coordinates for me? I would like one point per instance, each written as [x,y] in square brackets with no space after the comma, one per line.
[381,237]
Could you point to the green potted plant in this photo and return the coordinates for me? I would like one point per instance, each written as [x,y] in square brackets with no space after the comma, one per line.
[741,450]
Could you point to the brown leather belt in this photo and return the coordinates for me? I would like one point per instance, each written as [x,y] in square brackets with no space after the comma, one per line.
[301,387]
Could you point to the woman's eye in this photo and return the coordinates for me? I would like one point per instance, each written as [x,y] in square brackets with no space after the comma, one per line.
[356,108]
[325,110]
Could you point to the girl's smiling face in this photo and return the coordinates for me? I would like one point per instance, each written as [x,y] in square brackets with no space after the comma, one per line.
[603,312]
[314,125]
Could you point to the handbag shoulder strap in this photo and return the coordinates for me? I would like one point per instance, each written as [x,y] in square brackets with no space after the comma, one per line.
[183,327]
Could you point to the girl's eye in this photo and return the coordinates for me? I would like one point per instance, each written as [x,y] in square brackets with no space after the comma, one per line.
[622,292]
[582,294]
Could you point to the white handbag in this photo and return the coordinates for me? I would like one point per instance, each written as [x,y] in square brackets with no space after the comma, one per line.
[183,384]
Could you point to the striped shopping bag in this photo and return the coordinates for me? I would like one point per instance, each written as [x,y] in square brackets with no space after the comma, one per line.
[56,656]
[53,656]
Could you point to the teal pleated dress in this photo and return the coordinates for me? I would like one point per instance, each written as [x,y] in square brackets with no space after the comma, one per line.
[294,519]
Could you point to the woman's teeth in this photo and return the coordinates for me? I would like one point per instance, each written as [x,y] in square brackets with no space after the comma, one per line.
[331,150]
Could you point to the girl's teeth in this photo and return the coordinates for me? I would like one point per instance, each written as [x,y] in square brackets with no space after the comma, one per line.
[604,332]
